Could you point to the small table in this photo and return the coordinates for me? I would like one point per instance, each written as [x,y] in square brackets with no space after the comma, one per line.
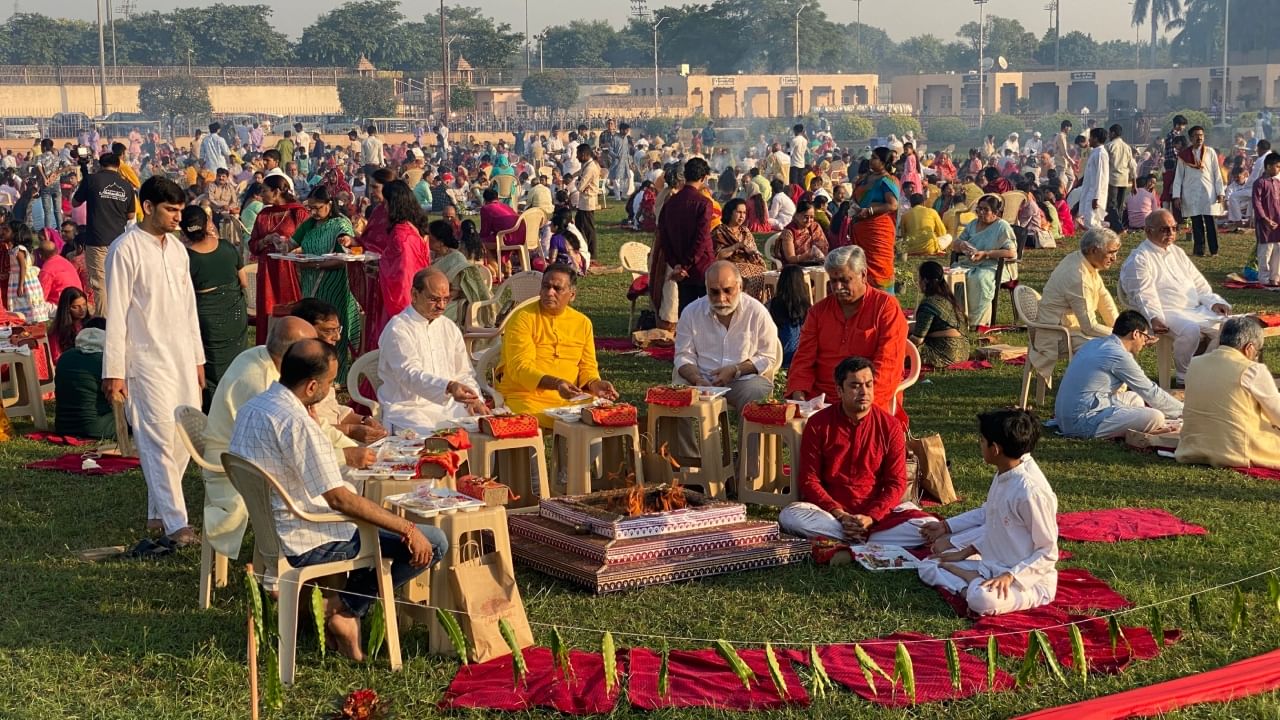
[817,277]
[1164,355]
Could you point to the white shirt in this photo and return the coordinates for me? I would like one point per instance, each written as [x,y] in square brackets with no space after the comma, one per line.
[1124,168]
[371,151]
[704,342]
[214,152]
[1019,521]
[302,139]
[1258,381]
[418,358]
[799,146]
[1199,189]
[1258,166]
[782,209]
[153,335]
[275,432]
[1097,174]
[1155,280]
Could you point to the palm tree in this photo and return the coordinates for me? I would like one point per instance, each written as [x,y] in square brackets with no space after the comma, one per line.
[1157,12]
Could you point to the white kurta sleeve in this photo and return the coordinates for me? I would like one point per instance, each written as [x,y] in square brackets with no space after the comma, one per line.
[399,361]
[119,273]
[1204,291]
[1211,167]
[968,520]
[1140,288]
[1039,516]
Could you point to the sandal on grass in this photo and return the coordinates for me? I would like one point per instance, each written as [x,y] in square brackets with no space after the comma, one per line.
[151,549]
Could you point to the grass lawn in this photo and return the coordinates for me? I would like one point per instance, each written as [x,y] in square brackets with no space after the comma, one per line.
[121,639]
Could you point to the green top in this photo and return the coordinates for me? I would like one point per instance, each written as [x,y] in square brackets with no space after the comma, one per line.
[935,314]
[82,410]
[249,215]
[217,269]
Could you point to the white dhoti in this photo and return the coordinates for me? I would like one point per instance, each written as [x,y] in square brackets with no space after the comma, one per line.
[1187,327]
[810,521]
[164,461]
[225,515]
[1093,218]
[1128,412]
[981,600]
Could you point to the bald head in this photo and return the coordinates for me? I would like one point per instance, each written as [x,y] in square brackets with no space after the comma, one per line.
[722,271]
[724,288]
[431,293]
[1162,228]
[285,332]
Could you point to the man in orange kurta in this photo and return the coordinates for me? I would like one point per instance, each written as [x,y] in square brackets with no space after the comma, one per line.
[854,319]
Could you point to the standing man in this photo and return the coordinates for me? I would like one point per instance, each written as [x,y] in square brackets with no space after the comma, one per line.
[684,231]
[214,150]
[1097,175]
[799,146]
[153,355]
[1198,192]
[256,138]
[110,200]
[371,155]
[1171,157]
[587,185]
[1062,154]
[1124,171]
[301,139]
[46,168]
[620,170]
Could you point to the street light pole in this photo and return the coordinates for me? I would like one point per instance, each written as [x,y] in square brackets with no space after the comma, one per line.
[102,60]
[1057,34]
[655,65]
[982,60]
[528,45]
[1226,38]
[111,20]
[858,32]
[799,109]
[444,59]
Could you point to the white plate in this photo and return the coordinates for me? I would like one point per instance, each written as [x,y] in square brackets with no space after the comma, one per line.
[711,390]
[866,554]
[567,413]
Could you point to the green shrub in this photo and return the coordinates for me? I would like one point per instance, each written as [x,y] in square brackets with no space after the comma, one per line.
[848,129]
[1001,125]
[1050,125]
[898,125]
[948,130]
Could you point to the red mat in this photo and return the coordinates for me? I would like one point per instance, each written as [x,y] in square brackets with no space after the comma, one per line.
[1078,590]
[1020,360]
[74,463]
[1254,676]
[491,686]
[615,344]
[988,329]
[56,439]
[1259,472]
[1269,319]
[701,678]
[928,659]
[1012,633]
[967,365]
[1237,285]
[665,354]
[1116,524]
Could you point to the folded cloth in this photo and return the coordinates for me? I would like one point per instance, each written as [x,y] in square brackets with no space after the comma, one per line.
[79,464]
[1020,360]
[489,685]
[928,659]
[610,344]
[1116,524]
[989,329]
[56,439]
[701,678]
[1253,676]
[1259,472]
[639,288]
[1241,285]
[1012,633]
[1078,590]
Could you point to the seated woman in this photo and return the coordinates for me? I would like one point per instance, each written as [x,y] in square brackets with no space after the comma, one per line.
[802,242]
[939,321]
[68,321]
[981,246]
[568,247]
[466,281]
[757,214]
[789,308]
[735,243]
[81,410]
[923,230]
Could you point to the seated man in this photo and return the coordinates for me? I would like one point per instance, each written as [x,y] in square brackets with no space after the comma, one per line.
[1093,401]
[427,377]
[853,469]
[81,408]
[276,431]
[1232,416]
[1014,533]
[923,229]
[361,428]
[726,339]
[854,320]
[1160,281]
[495,217]
[57,273]
[1076,298]
[549,351]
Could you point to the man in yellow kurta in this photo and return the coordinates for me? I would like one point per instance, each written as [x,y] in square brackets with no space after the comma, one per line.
[1076,298]
[1231,417]
[549,352]
[923,229]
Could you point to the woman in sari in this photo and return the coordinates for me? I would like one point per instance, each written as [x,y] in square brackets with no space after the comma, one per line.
[403,254]
[250,205]
[466,281]
[803,241]
[276,223]
[217,274]
[734,242]
[327,231]
[982,244]
[939,322]
[874,226]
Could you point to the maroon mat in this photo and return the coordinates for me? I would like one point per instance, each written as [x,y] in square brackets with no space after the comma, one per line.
[1116,524]
[665,354]
[701,678]
[55,439]
[74,463]
[1078,590]
[1259,472]
[965,366]
[491,685]
[610,344]
[928,659]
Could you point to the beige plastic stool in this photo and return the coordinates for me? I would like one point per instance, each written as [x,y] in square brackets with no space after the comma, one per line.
[817,279]
[26,380]
[577,439]
[714,463]
[769,486]
[511,458]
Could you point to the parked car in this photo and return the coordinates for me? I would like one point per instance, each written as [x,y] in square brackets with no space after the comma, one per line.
[20,127]
[68,124]
[337,124]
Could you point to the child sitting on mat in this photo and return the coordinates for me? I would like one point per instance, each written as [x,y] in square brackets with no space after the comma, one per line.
[1002,555]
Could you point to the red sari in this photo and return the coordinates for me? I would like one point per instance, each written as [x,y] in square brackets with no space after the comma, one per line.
[404,253]
[277,280]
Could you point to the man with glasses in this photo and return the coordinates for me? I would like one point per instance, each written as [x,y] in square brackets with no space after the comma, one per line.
[427,377]
[1076,298]
[357,428]
[1104,392]
[1160,281]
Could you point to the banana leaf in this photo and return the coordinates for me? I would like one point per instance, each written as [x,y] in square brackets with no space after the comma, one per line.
[992,651]
[1050,657]
[1078,657]
[821,681]
[736,663]
[953,663]
[905,670]
[454,631]
[775,672]
[609,654]
[560,654]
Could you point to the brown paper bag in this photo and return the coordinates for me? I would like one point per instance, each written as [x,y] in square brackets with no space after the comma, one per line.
[486,593]
[934,476]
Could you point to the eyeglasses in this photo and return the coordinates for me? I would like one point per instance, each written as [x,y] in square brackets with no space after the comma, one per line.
[1167,229]
[330,332]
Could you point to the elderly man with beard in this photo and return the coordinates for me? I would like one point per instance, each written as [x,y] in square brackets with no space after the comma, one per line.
[726,339]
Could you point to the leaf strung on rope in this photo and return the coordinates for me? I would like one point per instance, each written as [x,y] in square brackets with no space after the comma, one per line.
[905,670]
[1273,591]
[254,595]
[775,672]
[1115,632]
[518,666]
[560,654]
[868,666]
[273,690]
[1238,611]
[1078,658]
[953,663]
[821,681]
[736,663]
[664,670]
[454,631]
[1028,663]
[992,650]
[1050,657]
[317,614]
[377,631]
[271,629]
[1193,608]
[1157,626]
[609,654]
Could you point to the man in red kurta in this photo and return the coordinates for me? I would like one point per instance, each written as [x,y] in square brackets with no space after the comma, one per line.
[853,470]
[684,233]
[853,320]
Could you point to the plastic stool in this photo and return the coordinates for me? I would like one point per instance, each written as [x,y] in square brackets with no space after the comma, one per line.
[714,461]
[26,379]
[578,438]
[769,485]
[513,465]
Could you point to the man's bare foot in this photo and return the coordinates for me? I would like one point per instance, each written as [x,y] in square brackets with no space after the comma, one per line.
[155,525]
[184,537]
[342,630]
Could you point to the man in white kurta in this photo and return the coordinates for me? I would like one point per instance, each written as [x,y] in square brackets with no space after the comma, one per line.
[1160,281]
[427,377]
[153,352]
[1076,298]
[1097,180]
[1198,191]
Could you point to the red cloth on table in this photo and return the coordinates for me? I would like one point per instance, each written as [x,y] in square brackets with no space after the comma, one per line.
[614,344]
[665,353]
[403,254]
[928,659]
[1253,676]
[1013,633]
[59,439]
[1269,319]
[491,686]
[277,279]
[861,469]
[1116,524]
[701,678]
[1259,472]
[1078,589]
[73,463]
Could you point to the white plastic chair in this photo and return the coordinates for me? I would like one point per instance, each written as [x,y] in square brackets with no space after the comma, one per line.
[913,375]
[1026,307]
[634,257]
[365,367]
[506,187]
[486,364]
[251,292]
[530,223]
[255,485]
[192,425]
[771,262]
[486,336]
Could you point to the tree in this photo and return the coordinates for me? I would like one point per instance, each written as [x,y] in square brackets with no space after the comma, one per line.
[1001,125]
[898,125]
[1003,37]
[366,97]
[34,39]
[1078,50]
[219,34]
[923,53]
[551,90]
[948,130]
[851,128]
[372,28]
[462,98]
[1157,13]
[578,44]
[484,42]
[174,96]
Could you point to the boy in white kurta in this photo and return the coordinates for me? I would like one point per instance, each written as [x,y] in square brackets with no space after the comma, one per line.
[1004,553]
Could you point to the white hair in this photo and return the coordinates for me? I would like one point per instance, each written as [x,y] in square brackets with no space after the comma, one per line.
[1097,239]
[850,256]
[1241,331]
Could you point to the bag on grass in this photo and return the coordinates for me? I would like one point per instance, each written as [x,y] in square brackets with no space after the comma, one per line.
[486,593]
[933,474]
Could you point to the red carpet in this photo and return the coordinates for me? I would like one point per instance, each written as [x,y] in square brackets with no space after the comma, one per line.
[1078,590]
[965,366]
[665,354]
[610,344]
[1260,473]
[1240,679]
[701,678]
[74,463]
[929,660]
[1116,524]
[1237,285]
[491,686]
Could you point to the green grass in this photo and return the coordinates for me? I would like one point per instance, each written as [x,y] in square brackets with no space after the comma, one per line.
[123,639]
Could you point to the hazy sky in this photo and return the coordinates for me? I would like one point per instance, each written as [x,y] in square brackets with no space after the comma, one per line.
[1104,19]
